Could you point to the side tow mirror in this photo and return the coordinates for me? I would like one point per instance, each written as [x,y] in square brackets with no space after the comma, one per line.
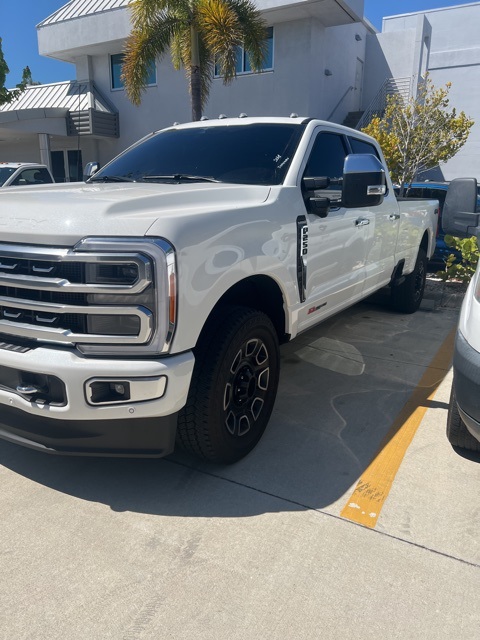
[364,181]
[90,169]
[459,216]
[319,204]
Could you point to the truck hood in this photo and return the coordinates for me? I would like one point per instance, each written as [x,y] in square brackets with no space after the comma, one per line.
[64,214]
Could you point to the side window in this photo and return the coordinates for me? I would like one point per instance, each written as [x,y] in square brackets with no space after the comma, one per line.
[361,146]
[24,177]
[41,176]
[327,157]
[32,176]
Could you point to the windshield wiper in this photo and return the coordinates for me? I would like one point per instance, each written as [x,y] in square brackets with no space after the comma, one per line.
[110,179]
[182,176]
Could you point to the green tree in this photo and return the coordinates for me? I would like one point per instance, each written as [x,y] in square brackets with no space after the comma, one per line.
[7,96]
[199,34]
[420,133]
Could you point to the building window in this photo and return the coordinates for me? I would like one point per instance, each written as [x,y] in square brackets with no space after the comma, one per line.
[243,60]
[116,63]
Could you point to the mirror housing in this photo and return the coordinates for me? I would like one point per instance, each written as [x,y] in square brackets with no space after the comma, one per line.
[319,204]
[90,169]
[459,216]
[364,181]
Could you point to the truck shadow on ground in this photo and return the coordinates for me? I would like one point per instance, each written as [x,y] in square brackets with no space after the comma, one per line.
[342,385]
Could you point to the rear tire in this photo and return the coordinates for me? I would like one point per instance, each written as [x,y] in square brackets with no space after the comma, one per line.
[408,296]
[234,385]
[457,433]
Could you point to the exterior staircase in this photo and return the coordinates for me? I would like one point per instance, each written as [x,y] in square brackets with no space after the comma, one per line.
[391,86]
[352,119]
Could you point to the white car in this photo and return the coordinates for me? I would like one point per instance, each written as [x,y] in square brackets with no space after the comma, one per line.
[14,174]
[461,218]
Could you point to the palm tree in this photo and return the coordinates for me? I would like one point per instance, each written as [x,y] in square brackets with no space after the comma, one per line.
[199,34]
[6,95]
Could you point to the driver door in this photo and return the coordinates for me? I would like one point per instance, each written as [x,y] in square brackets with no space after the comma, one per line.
[337,244]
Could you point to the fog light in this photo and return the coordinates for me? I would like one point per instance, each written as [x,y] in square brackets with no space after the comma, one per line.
[108,391]
[114,391]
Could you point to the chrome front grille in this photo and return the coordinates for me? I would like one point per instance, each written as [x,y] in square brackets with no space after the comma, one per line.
[76,297]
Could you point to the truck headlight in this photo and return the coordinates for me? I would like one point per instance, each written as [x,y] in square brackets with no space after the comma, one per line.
[147,285]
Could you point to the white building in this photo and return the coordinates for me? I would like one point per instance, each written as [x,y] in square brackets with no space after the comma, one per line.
[326,60]
[446,43]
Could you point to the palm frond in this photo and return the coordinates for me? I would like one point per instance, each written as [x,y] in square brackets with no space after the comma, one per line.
[254,31]
[144,11]
[221,34]
[143,47]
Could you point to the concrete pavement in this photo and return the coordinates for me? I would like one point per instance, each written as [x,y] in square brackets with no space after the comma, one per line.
[132,549]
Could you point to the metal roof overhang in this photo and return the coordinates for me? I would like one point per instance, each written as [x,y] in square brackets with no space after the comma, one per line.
[68,108]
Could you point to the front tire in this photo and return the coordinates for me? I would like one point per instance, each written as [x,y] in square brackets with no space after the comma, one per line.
[457,433]
[234,385]
[408,296]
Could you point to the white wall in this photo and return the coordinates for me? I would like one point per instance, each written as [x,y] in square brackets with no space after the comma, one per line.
[303,49]
[454,57]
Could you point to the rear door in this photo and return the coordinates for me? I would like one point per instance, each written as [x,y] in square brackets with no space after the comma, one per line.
[381,240]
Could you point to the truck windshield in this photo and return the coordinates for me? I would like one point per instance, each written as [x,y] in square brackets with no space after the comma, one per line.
[242,154]
[5,173]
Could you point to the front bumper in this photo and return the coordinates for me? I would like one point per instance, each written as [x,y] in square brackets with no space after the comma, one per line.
[133,428]
[466,370]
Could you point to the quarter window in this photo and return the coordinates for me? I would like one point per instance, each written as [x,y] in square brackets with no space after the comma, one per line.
[116,64]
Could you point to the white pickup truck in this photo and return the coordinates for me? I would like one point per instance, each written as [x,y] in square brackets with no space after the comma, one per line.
[147,305]
[15,174]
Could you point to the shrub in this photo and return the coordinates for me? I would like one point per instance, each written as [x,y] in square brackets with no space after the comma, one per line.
[460,270]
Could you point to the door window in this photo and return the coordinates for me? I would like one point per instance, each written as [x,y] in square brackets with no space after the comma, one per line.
[326,160]
[32,176]
[327,156]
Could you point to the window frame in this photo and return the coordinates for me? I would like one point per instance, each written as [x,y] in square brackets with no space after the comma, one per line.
[122,87]
[244,56]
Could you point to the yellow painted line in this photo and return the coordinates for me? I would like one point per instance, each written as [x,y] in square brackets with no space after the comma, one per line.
[368,498]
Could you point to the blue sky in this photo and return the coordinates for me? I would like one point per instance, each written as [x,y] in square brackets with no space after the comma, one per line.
[18,19]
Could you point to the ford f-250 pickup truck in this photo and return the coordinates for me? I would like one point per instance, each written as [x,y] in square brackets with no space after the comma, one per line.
[147,305]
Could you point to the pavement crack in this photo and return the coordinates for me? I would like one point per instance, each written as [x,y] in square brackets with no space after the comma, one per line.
[326,513]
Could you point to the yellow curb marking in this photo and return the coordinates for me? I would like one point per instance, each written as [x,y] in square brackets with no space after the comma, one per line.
[366,502]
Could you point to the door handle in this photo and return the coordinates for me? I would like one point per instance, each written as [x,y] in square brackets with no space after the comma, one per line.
[394,216]
[361,222]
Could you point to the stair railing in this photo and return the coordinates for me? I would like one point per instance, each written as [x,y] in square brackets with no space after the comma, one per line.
[340,101]
[391,86]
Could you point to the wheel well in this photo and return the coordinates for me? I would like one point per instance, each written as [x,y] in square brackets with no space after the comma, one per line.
[397,275]
[424,243]
[262,293]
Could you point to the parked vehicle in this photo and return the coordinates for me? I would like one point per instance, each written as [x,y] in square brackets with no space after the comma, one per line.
[148,304]
[14,174]
[437,191]
[461,218]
